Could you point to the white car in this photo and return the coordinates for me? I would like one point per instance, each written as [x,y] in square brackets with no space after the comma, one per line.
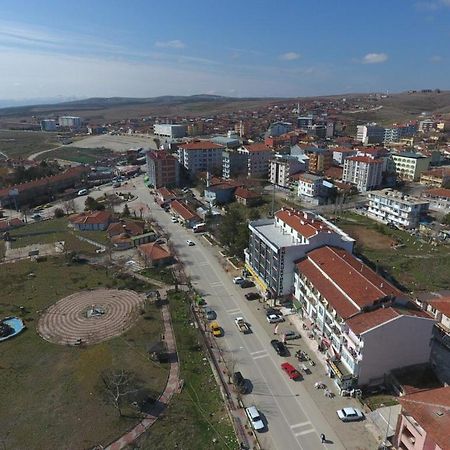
[274,318]
[174,220]
[190,243]
[254,418]
[349,414]
[82,192]
[238,280]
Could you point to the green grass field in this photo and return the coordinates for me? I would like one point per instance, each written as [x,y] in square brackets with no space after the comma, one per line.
[417,266]
[23,143]
[198,412]
[162,274]
[48,231]
[77,154]
[51,395]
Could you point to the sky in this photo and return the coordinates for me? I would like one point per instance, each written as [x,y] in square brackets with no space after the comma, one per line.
[246,48]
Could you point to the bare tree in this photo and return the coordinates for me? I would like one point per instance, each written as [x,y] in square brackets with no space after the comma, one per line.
[119,384]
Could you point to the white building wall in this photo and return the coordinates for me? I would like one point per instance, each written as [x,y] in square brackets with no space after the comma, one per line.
[402,342]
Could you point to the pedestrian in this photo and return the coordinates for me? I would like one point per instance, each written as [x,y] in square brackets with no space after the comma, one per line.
[322,438]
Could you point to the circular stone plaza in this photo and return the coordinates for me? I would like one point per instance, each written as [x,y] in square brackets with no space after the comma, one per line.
[89,317]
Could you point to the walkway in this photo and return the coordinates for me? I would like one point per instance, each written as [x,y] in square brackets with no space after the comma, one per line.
[172,386]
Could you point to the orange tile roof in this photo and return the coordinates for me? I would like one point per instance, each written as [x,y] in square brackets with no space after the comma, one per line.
[346,283]
[200,145]
[5,224]
[131,227]
[154,251]
[245,193]
[94,217]
[165,193]
[439,192]
[442,305]
[257,147]
[431,409]
[183,211]
[306,224]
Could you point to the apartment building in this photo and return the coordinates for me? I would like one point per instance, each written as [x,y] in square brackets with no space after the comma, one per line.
[162,169]
[320,159]
[279,128]
[396,133]
[424,421]
[282,167]
[234,164]
[258,157]
[310,186]
[389,206]
[364,172]
[275,244]
[370,134]
[436,177]
[362,321]
[409,165]
[168,130]
[340,153]
[200,156]
[70,121]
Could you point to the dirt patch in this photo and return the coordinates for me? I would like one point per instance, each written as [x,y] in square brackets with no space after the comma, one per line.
[369,238]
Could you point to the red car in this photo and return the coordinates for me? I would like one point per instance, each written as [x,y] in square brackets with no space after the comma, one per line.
[293,373]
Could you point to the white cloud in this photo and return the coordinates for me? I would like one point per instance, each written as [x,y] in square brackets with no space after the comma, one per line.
[432,5]
[176,43]
[374,58]
[289,56]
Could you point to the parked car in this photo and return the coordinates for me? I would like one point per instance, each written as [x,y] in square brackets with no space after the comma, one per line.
[279,347]
[349,414]
[277,312]
[82,192]
[238,280]
[252,296]
[292,372]
[291,334]
[209,313]
[174,220]
[216,329]
[247,284]
[254,418]
[190,243]
[274,318]
[239,382]
[36,217]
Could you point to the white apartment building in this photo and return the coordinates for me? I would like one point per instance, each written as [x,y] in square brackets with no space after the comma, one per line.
[367,327]
[258,157]
[275,244]
[200,156]
[70,121]
[409,165]
[340,153]
[168,130]
[369,134]
[389,206]
[282,167]
[310,186]
[364,172]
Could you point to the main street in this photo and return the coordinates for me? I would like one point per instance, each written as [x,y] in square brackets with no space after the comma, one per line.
[293,418]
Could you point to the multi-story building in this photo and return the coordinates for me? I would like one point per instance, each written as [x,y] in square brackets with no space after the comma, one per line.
[258,157]
[362,321]
[370,134]
[200,156]
[395,134]
[162,169]
[304,122]
[279,128]
[282,167]
[310,186]
[389,206]
[70,121]
[48,125]
[436,177]
[234,164]
[409,165]
[364,172]
[320,159]
[424,421]
[168,130]
[427,125]
[340,153]
[275,244]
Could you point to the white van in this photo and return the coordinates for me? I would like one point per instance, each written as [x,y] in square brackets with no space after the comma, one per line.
[82,192]
[255,418]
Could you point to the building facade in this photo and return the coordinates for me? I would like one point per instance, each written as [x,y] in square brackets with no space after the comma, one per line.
[320,159]
[310,186]
[275,244]
[258,157]
[234,164]
[48,125]
[200,156]
[282,167]
[70,121]
[409,165]
[162,169]
[364,172]
[389,206]
[370,134]
[168,130]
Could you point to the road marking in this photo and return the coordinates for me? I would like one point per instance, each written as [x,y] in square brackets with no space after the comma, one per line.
[260,356]
[257,351]
[233,311]
[302,424]
[203,264]
[216,284]
[301,433]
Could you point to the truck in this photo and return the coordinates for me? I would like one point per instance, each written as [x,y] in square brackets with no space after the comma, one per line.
[242,325]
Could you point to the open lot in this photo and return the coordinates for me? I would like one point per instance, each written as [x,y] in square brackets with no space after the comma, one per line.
[17,144]
[76,154]
[53,395]
[416,265]
[115,143]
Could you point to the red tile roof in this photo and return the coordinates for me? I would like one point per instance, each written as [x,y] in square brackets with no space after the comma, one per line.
[154,251]
[183,211]
[245,193]
[131,227]
[334,172]
[306,224]
[200,145]
[6,224]
[368,320]
[95,217]
[165,193]
[438,192]
[346,283]
[431,409]
[364,159]
[442,305]
[257,147]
